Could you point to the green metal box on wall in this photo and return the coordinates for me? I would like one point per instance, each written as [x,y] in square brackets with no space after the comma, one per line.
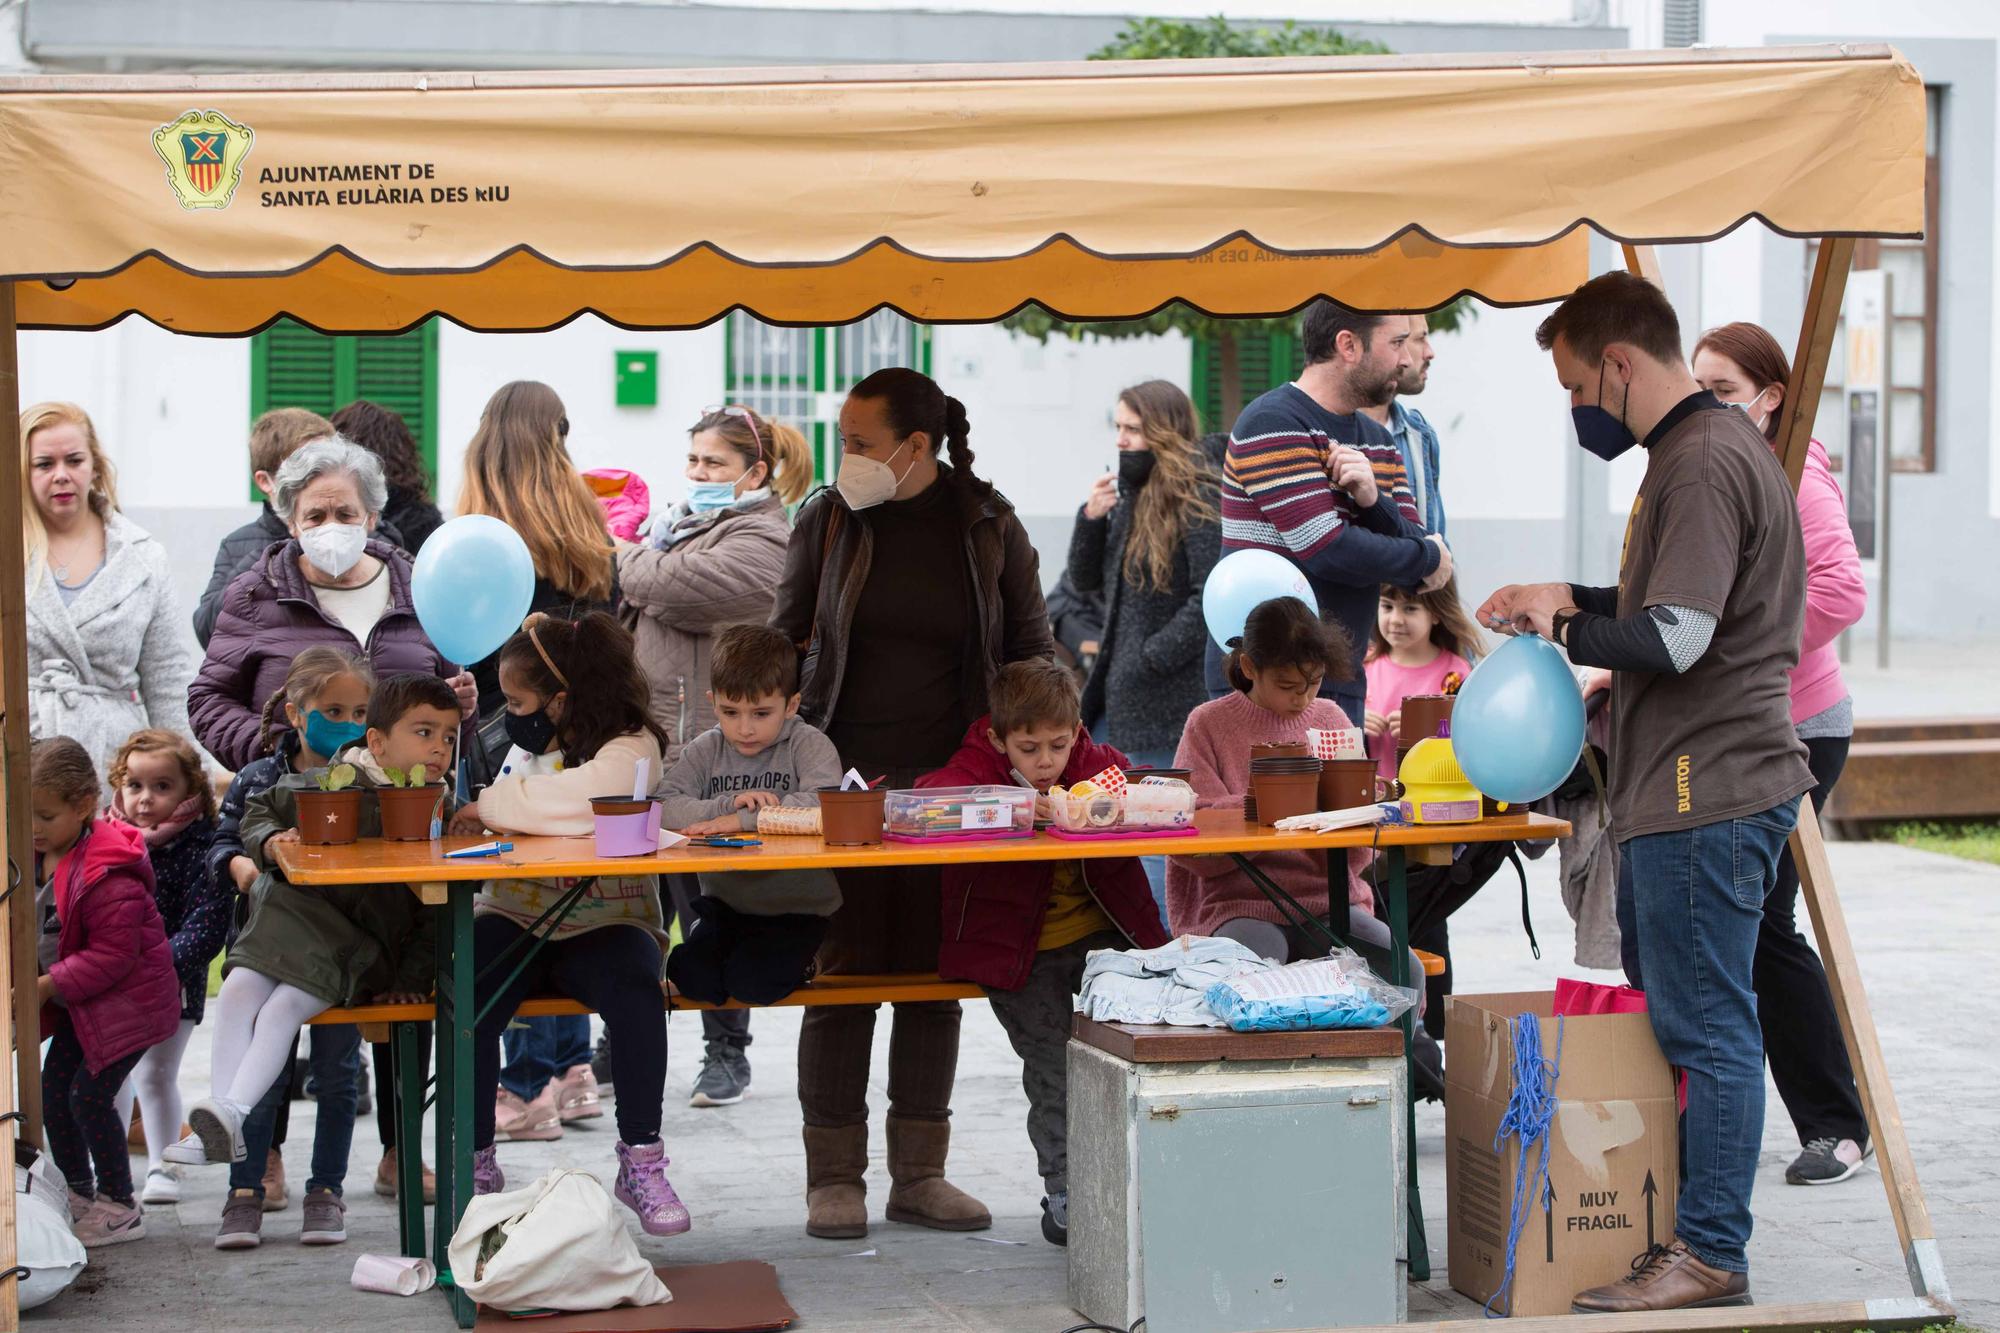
[638,379]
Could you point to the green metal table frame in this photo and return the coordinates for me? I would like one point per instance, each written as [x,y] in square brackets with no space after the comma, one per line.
[458,1016]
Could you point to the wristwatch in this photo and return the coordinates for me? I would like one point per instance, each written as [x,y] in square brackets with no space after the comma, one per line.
[1559,624]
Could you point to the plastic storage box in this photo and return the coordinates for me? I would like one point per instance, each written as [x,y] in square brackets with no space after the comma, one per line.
[1154,804]
[962,812]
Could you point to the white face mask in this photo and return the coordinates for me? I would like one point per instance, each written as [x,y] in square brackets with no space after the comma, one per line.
[865,482]
[1750,402]
[334,548]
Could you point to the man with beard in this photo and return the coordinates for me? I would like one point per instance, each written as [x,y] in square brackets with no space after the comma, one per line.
[1413,434]
[1310,476]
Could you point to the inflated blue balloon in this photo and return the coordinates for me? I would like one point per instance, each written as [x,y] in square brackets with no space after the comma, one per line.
[1517,727]
[472,585]
[1242,579]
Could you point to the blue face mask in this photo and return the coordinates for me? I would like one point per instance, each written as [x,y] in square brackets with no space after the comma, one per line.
[1600,432]
[327,738]
[705,497]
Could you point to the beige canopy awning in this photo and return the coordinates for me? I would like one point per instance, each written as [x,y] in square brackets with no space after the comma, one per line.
[364,203]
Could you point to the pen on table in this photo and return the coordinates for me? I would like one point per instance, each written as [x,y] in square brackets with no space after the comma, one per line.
[483,849]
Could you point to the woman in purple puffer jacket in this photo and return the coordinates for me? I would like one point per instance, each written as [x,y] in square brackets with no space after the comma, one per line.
[331,582]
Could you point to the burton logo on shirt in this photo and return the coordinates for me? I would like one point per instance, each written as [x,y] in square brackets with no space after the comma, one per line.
[1684,800]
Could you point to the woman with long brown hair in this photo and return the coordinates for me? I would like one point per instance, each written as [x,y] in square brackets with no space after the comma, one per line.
[1743,365]
[1145,540]
[518,470]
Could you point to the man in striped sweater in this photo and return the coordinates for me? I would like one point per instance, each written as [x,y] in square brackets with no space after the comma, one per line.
[1310,477]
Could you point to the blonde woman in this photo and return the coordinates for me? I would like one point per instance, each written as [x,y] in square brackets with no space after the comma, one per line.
[1145,540]
[109,650]
[518,470]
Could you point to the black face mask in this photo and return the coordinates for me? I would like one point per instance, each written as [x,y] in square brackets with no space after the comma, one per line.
[531,731]
[1135,466]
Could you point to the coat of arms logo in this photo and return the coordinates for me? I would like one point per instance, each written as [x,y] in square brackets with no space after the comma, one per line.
[204,152]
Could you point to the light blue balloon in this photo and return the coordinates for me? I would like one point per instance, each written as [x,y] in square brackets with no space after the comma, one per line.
[473,583]
[1517,727]
[1242,579]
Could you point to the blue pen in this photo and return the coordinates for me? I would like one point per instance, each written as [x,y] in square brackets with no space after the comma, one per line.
[717,841]
[483,849]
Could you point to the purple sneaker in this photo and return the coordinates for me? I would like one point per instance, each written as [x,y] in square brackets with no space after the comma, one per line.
[644,1188]
[487,1178]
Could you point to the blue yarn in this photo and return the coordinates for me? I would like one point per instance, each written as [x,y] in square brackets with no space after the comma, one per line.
[1530,1109]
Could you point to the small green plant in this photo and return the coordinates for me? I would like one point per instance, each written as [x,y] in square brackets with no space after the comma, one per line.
[416,777]
[338,778]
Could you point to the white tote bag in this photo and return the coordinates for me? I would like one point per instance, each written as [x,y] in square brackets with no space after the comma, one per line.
[559,1244]
[48,1249]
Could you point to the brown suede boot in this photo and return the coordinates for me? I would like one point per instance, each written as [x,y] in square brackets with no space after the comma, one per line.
[921,1196]
[836,1193]
[1666,1277]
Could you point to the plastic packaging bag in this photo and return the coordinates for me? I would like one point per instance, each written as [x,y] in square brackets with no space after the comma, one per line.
[1338,991]
[48,1248]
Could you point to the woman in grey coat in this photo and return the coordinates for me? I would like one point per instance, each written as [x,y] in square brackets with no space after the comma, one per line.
[109,650]
[1145,540]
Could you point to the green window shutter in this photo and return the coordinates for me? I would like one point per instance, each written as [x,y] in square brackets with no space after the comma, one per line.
[292,366]
[1264,361]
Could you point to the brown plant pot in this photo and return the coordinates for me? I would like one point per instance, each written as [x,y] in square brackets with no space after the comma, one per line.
[1423,714]
[1346,783]
[329,818]
[407,811]
[851,818]
[1282,795]
[1280,750]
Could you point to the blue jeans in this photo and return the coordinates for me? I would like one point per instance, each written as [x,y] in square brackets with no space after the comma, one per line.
[1690,906]
[540,1049]
[336,1067]
[1155,866]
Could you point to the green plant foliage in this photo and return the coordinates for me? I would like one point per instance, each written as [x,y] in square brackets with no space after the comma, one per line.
[338,778]
[396,777]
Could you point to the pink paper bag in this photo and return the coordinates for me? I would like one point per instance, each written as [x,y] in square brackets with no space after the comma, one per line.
[1587,997]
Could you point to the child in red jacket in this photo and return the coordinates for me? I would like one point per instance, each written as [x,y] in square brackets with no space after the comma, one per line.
[109,996]
[1022,930]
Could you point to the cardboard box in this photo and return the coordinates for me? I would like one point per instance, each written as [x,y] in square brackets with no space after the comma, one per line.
[1613,1152]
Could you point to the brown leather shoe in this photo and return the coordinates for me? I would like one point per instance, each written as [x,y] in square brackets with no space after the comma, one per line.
[1666,1277]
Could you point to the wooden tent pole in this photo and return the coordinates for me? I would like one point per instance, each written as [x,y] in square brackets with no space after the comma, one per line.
[22,1019]
[1823,298]
[1644,261]
[1864,1051]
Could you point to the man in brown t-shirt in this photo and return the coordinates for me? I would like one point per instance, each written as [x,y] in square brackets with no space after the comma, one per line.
[1701,634]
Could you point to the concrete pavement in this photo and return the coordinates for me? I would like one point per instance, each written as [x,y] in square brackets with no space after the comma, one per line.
[1926,928]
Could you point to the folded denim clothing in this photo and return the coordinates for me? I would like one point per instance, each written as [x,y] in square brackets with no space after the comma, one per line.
[1163,985]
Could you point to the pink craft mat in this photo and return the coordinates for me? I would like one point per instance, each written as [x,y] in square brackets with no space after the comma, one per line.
[932,839]
[1112,835]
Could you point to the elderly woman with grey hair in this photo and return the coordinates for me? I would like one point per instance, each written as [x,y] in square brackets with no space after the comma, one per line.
[332,582]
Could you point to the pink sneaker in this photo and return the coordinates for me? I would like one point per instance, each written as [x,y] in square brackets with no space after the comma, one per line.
[535,1121]
[109,1223]
[644,1188]
[487,1177]
[576,1094]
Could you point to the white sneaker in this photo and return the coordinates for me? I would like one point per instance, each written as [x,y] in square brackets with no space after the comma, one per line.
[163,1185]
[220,1129]
[188,1152]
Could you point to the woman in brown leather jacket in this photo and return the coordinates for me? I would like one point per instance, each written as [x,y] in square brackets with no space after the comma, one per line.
[907,585]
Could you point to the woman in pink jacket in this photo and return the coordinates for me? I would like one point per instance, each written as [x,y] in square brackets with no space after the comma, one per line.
[1743,364]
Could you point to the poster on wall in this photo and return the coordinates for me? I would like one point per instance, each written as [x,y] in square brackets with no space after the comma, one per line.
[1867,464]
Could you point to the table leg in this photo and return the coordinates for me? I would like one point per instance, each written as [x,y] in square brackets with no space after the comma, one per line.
[1398,895]
[455,1011]
[409,1121]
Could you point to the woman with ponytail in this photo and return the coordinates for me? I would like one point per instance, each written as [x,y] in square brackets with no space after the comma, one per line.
[907,586]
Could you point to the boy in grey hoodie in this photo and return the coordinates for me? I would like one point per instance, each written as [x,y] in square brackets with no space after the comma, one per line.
[754,935]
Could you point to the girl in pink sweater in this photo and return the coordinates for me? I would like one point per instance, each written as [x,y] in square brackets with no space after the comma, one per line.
[1742,364]
[1276,667]
[1424,643]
